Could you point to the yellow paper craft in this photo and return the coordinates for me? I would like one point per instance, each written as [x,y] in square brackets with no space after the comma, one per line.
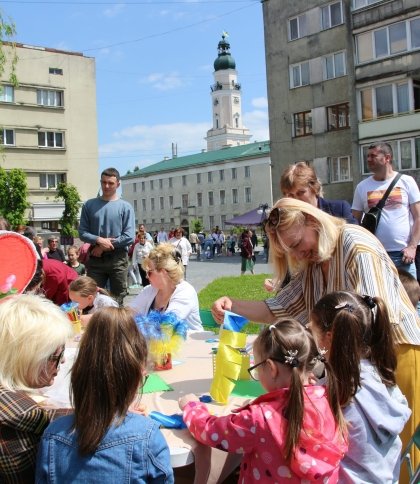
[231,364]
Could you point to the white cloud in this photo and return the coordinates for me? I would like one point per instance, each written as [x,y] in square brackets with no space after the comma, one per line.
[257,120]
[114,10]
[164,82]
[260,102]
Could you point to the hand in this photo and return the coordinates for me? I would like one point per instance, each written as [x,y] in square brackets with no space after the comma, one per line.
[408,254]
[269,285]
[96,251]
[105,243]
[219,307]
[139,408]
[189,397]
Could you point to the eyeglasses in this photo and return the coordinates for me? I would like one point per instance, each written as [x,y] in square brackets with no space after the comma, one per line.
[273,219]
[58,359]
[253,371]
[150,271]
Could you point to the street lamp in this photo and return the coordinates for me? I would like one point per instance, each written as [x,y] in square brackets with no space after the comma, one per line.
[264,210]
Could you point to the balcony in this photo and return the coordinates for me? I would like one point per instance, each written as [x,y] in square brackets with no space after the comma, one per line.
[379,128]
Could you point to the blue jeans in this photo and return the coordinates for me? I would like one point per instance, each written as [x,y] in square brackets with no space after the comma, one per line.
[396,257]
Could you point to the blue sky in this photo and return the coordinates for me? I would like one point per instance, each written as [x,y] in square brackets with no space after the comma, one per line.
[154,67]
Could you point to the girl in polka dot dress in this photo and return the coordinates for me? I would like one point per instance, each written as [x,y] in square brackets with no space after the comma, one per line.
[295,432]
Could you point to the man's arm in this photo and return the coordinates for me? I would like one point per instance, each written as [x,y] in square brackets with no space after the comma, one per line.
[409,252]
[357,214]
[84,227]
[127,229]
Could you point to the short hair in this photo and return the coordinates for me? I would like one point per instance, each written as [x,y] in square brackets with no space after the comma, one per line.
[52,238]
[29,232]
[31,330]
[383,146]
[411,286]
[166,256]
[111,172]
[179,229]
[300,174]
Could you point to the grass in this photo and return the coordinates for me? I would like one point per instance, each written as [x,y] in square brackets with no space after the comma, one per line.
[245,287]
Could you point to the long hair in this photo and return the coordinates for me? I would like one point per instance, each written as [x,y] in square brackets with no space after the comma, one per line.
[297,213]
[106,374]
[361,329]
[275,341]
[300,174]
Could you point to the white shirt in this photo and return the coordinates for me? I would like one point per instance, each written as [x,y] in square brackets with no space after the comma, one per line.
[184,247]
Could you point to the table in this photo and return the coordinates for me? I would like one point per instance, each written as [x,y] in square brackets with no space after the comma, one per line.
[192,372]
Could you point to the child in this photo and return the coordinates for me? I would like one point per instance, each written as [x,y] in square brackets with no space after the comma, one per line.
[357,334]
[85,292]
[141,250]
[73,261]
[104,441]
[289,434]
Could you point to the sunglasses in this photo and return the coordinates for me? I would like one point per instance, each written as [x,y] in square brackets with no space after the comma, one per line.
[57,359]
[273,219]
[150,271]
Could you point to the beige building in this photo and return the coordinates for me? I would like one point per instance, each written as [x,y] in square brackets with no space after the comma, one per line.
[48,127]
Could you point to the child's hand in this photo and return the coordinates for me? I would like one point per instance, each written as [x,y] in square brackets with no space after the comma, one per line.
[189,397]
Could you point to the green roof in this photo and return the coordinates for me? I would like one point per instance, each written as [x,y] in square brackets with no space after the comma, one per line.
[251,150]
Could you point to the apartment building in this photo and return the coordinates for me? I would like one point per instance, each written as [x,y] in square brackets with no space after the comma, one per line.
[48,127]
[341,75]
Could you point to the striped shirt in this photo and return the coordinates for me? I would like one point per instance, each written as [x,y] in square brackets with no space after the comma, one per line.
[359,264]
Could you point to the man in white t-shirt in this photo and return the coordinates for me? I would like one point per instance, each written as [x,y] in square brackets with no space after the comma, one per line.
[399,225]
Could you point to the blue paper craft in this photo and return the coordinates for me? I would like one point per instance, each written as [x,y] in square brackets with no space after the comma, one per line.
[174,421]
[234,322]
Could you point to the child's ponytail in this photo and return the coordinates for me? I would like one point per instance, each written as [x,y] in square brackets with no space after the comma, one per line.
[294,413]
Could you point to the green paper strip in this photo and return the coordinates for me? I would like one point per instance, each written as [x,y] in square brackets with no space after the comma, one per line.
[155,384]
[247,389]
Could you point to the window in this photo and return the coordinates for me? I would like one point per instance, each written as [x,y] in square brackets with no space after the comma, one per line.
[406,154]
[339,169]
[233,173]
[151,185]
[7,137]
[185,200]
[143,186]
[152,203]
[335,65]
[222,195]
[299,75]
[51,180]
[143,204]
[248,195]
[160,183]
[234,195]
[171,201]
[198,178]
[223,221]
[161,203]
[50,139]
[135,205]
[247,171]
[331,15]
[47,97]
[134,187]
[211,221]
[209,176]
[199,199]
[184,180]
[385,100]
[363,3]
[222,175]
[211,198]
[302,123]
[338,117]
[162,221]
[297,27]
[415,33]
[56,71]
[7,94]
[170,182]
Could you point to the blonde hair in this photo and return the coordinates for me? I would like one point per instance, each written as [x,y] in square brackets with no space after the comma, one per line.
[31,330]
[297,213]
[166,256]
[300,174]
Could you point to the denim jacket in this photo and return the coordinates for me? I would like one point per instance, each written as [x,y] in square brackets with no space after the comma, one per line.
[133,452]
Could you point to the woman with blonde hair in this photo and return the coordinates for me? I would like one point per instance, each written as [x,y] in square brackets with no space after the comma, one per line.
[168,291]
[33,333]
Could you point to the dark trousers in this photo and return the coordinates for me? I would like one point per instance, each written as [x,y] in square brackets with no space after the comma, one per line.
[144,279]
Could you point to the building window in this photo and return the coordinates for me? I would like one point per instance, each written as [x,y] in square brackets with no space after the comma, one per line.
[162,221]
[170,182]
[385,100]
[171,201]
[152,203]
[143,204]
[299,74]
[143,186]
[247,171]
[234,195]
[223,221]
[222,175]
[134,187]
[297,27]
[406,154]
[248,195]
[335,65]
[51,180]
[339,167]
[184,180]
[48,97]
[233,173]
[363,3]
[160,183]
[211,222]
[198,178]
[135,205]
[185,200]
[302,123]
[199,199]
[56,71]
[211,199]
[209,176]
[331,15]
[222,195]
[50,139]
[151,185]
[7,94]
[338,116]
[7,137]
[161,203]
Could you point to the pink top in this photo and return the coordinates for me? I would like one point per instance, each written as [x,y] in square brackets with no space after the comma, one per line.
[258,431]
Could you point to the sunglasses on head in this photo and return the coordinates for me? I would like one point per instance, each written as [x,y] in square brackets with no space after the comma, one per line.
[273,219]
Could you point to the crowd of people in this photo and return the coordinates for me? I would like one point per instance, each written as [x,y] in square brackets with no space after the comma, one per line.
[337,354]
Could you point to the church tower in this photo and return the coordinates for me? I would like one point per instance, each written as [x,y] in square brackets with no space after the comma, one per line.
[228,130]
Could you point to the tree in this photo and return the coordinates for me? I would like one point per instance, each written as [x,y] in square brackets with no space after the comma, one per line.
[13,196]
[69,194]
[7,32]
[196,225]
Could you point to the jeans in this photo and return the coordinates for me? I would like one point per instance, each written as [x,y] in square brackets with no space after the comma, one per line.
[396,257]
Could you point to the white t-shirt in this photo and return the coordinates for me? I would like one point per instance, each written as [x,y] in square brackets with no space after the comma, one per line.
[394,228]
[183,302]
[184,247]
[102,301]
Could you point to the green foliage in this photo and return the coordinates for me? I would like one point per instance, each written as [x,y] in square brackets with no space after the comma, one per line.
[69,194]
[13,196]
[196,225]
[7,32]
[245,287]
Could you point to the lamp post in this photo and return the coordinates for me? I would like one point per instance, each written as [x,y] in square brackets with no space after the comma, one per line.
[264,210]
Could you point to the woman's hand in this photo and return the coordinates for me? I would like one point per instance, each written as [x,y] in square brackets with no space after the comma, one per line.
[219,307]
[269,285]
[189,397]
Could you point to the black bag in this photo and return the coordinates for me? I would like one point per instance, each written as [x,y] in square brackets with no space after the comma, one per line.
[371,219]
